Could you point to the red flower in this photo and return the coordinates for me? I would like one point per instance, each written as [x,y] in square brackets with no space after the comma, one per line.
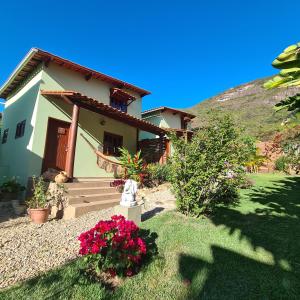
[117,242]
[112,272]
[129,272]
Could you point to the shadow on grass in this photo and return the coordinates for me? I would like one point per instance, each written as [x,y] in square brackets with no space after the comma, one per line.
[56,284]
[151,213]
[275,228]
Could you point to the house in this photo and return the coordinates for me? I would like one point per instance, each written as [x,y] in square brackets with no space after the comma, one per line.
[171,120]
[61,115]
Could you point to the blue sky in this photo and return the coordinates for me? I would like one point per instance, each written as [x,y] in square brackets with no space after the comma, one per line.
[182,51]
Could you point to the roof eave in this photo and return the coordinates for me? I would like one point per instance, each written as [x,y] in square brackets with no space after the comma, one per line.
[15,72]
[36,51]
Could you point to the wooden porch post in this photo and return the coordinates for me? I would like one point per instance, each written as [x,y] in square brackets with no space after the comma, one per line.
[161,149]
[72,142]
[137,139]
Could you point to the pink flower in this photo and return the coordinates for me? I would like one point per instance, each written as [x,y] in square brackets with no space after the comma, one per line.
[95,249]
[117,242]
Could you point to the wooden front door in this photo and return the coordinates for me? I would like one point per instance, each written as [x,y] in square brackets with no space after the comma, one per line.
[56,147]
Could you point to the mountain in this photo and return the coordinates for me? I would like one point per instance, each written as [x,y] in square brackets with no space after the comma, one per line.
[250,105]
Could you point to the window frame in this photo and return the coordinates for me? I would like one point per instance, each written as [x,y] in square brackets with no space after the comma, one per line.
[118,104]
[20,129]
[106,149]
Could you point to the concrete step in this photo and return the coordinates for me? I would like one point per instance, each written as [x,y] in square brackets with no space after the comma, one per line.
[79,209]
[88,184]
[92,179]
[82,191]
[93,198]
[88,194]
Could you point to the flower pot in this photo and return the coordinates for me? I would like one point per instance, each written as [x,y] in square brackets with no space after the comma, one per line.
[39,215]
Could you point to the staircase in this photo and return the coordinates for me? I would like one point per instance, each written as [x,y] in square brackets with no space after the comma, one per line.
[90,194]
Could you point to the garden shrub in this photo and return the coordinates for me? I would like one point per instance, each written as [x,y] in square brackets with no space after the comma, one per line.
[135,167]
[210,168]
[158,173]
[288,143]
[282,163]
[117,247]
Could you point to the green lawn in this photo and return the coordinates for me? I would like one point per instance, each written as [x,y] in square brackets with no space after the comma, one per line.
[251,251]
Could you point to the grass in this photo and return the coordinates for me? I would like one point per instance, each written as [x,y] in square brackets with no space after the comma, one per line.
[250,251]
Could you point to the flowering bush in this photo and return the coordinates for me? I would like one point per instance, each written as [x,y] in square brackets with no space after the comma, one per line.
[115,247]
[134,165]
[118,184]
[208,170]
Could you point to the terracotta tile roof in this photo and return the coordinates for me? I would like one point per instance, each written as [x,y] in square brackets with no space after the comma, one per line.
[35,56]
[104,109]
[165,108]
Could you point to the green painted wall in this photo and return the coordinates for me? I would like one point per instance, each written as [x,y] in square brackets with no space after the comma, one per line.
[16,156]
[164,119]
[23,157]
[89,122]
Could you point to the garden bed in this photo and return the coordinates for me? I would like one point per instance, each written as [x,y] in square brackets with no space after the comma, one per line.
[249,251]
[27,249]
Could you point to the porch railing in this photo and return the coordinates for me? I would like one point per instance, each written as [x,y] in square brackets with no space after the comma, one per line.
[105,162]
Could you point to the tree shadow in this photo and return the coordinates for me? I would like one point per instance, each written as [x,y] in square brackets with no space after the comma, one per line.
[274,227]
[234,276]
[151,213]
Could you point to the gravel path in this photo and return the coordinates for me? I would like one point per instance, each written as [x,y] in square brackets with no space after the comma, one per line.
[27,249]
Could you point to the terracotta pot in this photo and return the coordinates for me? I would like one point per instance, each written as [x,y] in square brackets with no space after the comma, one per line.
[39,215]
[61,177]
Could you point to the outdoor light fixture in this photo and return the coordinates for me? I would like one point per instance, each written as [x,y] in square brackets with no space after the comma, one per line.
[102,122]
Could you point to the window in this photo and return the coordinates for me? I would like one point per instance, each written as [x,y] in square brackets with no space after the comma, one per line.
[20,129]
[118,104]
[112,143]
[5,135]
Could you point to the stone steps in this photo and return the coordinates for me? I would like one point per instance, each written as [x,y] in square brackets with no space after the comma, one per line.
[77,210]
[89,194]
[83,191]
[93,197]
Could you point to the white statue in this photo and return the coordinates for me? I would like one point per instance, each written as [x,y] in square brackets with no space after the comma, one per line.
[129,193]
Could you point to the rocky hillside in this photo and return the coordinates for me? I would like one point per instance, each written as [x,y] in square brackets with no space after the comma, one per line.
[251,106]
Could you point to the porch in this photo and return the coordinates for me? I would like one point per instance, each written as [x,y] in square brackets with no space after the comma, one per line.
[105,155]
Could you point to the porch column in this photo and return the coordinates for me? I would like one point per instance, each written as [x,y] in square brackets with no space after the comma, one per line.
[161,150]
[137,139]
[72,142]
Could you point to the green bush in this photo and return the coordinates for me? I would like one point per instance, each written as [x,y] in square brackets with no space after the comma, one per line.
[282,163]
[210,168]
[158,173]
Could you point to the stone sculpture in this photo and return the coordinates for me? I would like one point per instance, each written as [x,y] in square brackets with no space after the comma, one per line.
[129,193]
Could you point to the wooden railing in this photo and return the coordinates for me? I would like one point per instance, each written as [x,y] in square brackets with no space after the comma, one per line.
[105,162]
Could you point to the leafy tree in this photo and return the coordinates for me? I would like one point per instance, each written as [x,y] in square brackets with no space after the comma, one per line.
[209,169]
[288,62]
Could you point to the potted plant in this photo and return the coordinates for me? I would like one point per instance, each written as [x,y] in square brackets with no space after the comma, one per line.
[11,189]
[38,204]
